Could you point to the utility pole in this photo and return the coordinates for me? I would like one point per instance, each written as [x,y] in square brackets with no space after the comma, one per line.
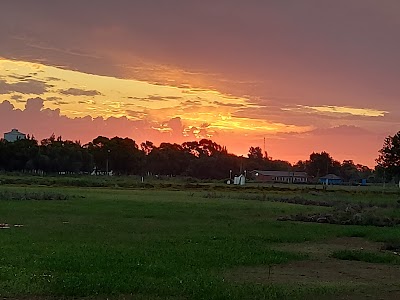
[264,148]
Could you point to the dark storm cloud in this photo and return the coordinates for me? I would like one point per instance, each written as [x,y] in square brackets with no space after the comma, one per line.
[154,98]
[55,99]
[53,79]
[191,103]
[79,92]
[327,52]
[21,77]
[136,114]
[16,97]
[27,86]
[219,103]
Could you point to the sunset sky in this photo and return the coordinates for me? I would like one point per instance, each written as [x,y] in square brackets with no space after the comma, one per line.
[307,75]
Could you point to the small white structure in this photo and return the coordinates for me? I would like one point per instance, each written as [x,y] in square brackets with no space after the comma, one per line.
[239,180]
[242,179]
[14,135]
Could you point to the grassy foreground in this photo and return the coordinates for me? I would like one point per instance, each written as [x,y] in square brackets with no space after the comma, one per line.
[154,244]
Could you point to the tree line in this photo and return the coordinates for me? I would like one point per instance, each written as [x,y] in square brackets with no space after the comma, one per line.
[202,159]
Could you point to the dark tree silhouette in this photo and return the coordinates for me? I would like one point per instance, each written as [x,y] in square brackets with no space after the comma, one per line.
[203,159]
[389,156]
[255,153]
[321,164]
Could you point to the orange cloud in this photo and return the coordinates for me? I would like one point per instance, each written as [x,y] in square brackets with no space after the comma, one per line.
[82,106]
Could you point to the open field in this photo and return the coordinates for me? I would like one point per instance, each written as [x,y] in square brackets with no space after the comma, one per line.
[191,241]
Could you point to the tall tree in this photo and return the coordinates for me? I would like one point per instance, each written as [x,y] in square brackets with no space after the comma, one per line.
[255,153]
[300,166]
[321,164]
[168,159]
[146,147]
[389,157]
[122,155]
[349,171]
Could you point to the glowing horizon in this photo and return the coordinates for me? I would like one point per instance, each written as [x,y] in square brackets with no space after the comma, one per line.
[201,113]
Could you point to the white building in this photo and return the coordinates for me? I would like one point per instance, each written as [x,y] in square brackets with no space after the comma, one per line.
[14,135]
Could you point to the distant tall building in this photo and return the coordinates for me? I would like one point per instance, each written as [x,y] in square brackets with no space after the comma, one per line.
[14,135]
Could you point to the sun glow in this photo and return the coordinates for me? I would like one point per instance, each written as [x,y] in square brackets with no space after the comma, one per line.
[78,94]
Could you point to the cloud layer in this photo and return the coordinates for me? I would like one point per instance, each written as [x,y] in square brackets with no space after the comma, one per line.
[298,73]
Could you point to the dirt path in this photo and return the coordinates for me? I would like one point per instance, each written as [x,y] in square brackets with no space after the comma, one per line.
[368,280]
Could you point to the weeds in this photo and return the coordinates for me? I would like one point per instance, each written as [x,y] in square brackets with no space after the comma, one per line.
[30,195]
[344,218]
[391,246]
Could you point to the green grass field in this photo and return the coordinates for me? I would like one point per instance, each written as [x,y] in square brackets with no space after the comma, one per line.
[176,243]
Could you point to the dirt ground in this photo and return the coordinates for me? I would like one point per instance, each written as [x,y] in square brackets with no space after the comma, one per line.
[364,280]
